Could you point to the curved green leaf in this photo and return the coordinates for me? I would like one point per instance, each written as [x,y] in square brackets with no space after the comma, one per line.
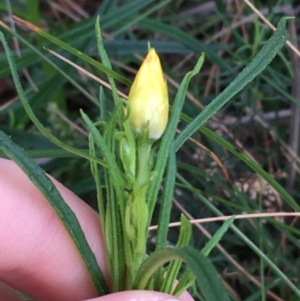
[206,275]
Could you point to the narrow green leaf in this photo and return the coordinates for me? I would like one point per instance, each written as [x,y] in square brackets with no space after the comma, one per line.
[173,269]
[168,137]
[185,281]
[259,63]
[67,216]
[104,115]
[166,201]
[106,62]
[217,236]
[96,174]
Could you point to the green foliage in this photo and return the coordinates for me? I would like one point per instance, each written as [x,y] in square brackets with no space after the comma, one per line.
[236,89]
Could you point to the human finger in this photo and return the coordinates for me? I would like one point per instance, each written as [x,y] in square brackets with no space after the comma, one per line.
[38,256]
[142,296]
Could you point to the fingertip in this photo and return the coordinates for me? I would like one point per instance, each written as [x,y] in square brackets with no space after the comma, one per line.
[142,296]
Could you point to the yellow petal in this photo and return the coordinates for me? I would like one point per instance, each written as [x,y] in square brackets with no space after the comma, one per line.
[148,98]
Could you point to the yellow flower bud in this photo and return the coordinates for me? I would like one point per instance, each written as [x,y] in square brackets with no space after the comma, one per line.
[148,98]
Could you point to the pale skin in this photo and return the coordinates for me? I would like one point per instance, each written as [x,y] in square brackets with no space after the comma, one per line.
[38,257]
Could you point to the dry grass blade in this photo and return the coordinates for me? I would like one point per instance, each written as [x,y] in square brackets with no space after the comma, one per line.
[239,216]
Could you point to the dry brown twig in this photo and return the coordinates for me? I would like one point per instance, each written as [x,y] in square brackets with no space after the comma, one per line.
[225,218]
